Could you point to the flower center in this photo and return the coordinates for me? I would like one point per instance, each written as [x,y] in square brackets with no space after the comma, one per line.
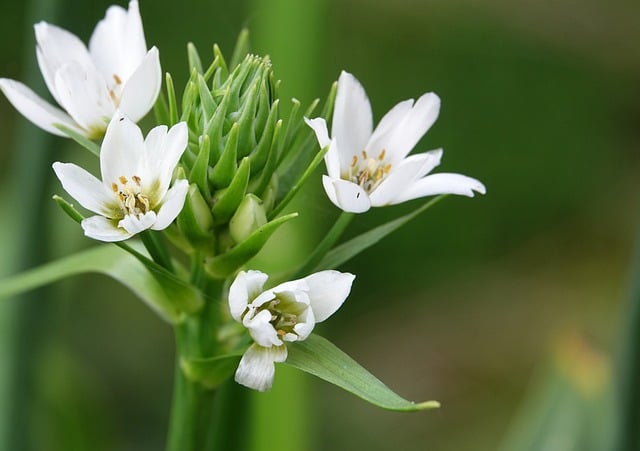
[368,172]
[132,201]
[284,313]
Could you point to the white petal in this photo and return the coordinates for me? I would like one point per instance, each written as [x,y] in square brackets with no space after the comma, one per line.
[35,109]
[304,326]
[332,160]
[141,90]
[327,291]
[346,195]
[246,287]
[171,204]
[83,93]
[403,175]
[163,159]
[352,118]
[85,188]
[57,47]
[319,126]
[136,224]
[261,329]
[103,229]
[443,183]
[257,369]
[117,44]
[415,124]
[383,133]
[122,152]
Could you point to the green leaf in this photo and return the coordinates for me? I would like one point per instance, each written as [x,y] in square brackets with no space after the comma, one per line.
[80,139]
[346,251]
[210,372]
[170,298]
[224,265]
[320,357]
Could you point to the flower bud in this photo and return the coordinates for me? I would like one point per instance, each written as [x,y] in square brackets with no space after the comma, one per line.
[195,220]
[249,216]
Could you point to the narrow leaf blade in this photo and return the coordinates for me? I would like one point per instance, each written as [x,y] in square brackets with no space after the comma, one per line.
[320,357]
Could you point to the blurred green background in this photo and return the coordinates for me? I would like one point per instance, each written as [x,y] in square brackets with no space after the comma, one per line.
[495,306]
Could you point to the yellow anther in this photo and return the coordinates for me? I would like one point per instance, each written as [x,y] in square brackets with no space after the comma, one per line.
[382,154]
[364,154]
[354,161]
[123,179]
[117,79]
[114,187]
[136,180]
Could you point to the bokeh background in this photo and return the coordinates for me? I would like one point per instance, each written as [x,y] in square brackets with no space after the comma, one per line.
[507,308]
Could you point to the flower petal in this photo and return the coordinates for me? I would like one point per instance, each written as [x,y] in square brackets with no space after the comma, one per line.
[327,291]
[136,224]
[85,188]
[415,124]
[103,229]
[57,47]
[261,329]
[381,137]
[346,195]
[83,93]
[256,369]
[403,176]
[171,204]
[117,44]
[319,126]
[443,183]
[35,109]
[141,90]
[246,287]
[352,118]
[332,160]
[163,155]
[122,152]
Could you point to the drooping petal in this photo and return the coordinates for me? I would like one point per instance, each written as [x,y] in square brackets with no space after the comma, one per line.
[327,291]
[352,118]
[122,150]
[35,109]
[383,133]
[86,189]
[332,160]
[319,126]
[117,44]
[246,287]
[83,93]
[346,195]
[260,328]
[403,176]
[415,124]
[103,229]
[57,47]
[443,183]
[256,369]
[136,224]
[171,205]
[142,88]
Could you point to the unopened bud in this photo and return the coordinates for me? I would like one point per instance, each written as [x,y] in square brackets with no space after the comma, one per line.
[249,216]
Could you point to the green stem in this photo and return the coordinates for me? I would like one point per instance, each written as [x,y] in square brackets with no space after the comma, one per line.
[329,240]
[157,249]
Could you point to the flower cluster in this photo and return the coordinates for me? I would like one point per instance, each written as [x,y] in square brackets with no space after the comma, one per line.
[216,177]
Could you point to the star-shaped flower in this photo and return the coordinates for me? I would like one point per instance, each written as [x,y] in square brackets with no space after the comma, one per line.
[134,193]
[285,313]
[370,168]
[116,72]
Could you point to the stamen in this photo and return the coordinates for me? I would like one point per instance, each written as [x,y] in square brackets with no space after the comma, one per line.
[114,187]
[382,154]
[364,154]
[354,161]
[136,180]
[117,79]
[123,180]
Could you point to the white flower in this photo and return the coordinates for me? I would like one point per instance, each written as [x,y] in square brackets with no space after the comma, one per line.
[116,72]
[134,193]
[287,312]
[370,168]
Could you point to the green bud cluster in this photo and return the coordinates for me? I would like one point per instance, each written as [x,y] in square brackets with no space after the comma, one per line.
[238,146]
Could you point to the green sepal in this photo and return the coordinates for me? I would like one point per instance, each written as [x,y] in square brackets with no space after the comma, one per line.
[194,58]
[249,216]
[80,139]
[320,357]
[241,49]
[259,185]
[265,146]
[211,372]
[246,137]
[217,55]
[222,266]
[207,103]
[215,129]
[161,110]
[173,103]
[169,298]
[225,169]
[195,220]
[200,170]
[227,200]
[189,97]
[290,127]
[354,246]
